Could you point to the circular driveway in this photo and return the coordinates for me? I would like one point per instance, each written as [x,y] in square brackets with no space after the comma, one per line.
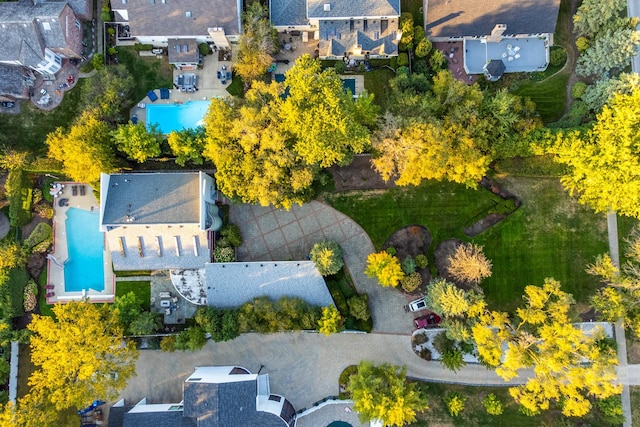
[278,235]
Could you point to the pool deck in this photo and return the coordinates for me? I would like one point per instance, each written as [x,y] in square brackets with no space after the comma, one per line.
[55,272]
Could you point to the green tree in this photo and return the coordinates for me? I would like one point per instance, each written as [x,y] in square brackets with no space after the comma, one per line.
[604,165]
[620,298]
[11,256]
[492,404]
[407,29]
[187,145]
[327,256]
[80,354]
[84,149]
[383,393]
[612,49]
[385,268]
[146,323]
[192,339]
[258,42]
[108,92]
[603,90]
[330,321]
[138,142]
[127,308]
[593,15]
[359,306]
[455,403]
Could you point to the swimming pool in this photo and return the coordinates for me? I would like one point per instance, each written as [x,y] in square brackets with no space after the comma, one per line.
[84,268]
[170,117]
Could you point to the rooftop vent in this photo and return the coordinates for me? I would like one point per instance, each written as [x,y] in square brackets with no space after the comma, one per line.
[46,26]
[327,7]
[188,14]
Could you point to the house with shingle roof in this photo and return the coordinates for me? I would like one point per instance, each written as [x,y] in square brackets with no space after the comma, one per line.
[517,33]
[154,22]
[36,36]
[213,396]
[344,28]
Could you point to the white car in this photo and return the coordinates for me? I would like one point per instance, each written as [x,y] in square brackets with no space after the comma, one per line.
[418,305]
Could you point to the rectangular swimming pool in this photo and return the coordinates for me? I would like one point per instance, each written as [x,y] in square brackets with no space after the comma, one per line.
[170,117]
[84,268]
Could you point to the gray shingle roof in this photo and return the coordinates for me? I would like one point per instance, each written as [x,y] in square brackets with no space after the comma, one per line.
[178,53]
[152,198]
[11,81]
[169,18]
[352,8]
[26,29]
[288,12]
[156,419]
[232,284]
[336,37]
[456,18]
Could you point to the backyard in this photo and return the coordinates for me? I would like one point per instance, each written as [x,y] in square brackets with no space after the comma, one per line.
[549,236]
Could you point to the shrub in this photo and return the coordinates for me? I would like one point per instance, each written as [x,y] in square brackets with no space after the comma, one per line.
[403,60]
[168,343]
[112,51]
[42,232]
[140,47]
[423,48]
[330,321]
[393,62]
[492,404]
[384,267]
[359,306]
[98,61]
[455,403]
[419,339]
[111,31]
[44,210]
[442,343]
[583,43]
[339,300]
[409,265]
[453,359]
[36,197]
[327,256]
[145,324]
[193,339]
[223,242]
[391,250]
[232,233]
[204,49]
[222,254]
[422,261]
[578,89]
[20,196]
[221,324]
[558,57]
[425,353]
[437,61]
[340,67]
[611,408]
[30,295]
[420,66]
[105,15]
[411,282]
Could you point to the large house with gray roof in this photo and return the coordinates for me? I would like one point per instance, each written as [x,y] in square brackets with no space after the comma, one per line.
[344,28]
[36,37]
[155,22]
[213,396]
[516,33]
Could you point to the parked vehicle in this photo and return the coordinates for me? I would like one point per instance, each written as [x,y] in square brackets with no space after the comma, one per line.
[417,305]
[427,321]
[7,104]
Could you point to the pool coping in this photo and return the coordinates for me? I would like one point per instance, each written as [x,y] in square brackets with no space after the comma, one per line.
[55,272]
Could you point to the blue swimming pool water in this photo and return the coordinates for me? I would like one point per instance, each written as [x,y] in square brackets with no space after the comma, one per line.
[170,117]
[339,424]
[84,268]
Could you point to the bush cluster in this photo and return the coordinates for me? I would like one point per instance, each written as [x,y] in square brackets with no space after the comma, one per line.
[20,197]
[224,254]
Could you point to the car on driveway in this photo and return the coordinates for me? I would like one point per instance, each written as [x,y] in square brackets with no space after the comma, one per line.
[417,305]
[427,321]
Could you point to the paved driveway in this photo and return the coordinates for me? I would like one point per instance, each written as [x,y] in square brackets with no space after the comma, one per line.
[278,235]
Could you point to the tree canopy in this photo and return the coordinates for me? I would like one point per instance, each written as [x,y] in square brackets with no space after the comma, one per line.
[187,145]
[384,267]
[258,42]
[137,141]
[108,92]
[80,354]
[593,15]
[383,393]
[84,149]
[327,256]
[604,162]
[269,147]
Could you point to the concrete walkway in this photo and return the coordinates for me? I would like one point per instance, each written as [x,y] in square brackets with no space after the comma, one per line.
[278,235]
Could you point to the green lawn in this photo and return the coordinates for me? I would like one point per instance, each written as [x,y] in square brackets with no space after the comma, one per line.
[28,130]
[548,95]
[377,83]
[141,289]
[635,405]
[415,8]
[149,72]
[549,236]
[45,309]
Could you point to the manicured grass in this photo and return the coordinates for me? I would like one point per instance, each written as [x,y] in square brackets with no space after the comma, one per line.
[551,69]
[236,87]
[635,405]
[133,273]
[475,414]
[377,83]
[141,289]
[45,309]
[415,8]
[549,236]
[28,130]
[149,72]
[548,95]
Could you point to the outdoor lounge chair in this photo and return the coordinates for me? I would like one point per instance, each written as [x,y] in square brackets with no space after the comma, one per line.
[83,190]
[152,95]
[50,287]
[74,190]
[50,294]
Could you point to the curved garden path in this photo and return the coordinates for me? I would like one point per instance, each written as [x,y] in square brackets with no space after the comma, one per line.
[278,235]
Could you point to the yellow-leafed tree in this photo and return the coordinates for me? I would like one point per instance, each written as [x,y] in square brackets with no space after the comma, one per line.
[80,354]
[384,267]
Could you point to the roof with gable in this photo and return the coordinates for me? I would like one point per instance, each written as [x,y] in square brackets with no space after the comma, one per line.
[26,29]
[288,12]
[179,18]
[11,81]
[183,51]
[336,38]
[459,18]
[318,9]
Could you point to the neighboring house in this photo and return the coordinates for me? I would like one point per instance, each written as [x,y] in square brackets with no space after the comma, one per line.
[213,396]
[344,28]
[183,53]
[154,22]
[37,36]
[12,83]
[517,33]
[157,221]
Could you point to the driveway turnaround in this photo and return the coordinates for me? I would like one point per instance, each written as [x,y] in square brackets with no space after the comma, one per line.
[278,235]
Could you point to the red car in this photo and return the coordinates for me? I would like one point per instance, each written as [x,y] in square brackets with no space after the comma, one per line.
[430,320]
